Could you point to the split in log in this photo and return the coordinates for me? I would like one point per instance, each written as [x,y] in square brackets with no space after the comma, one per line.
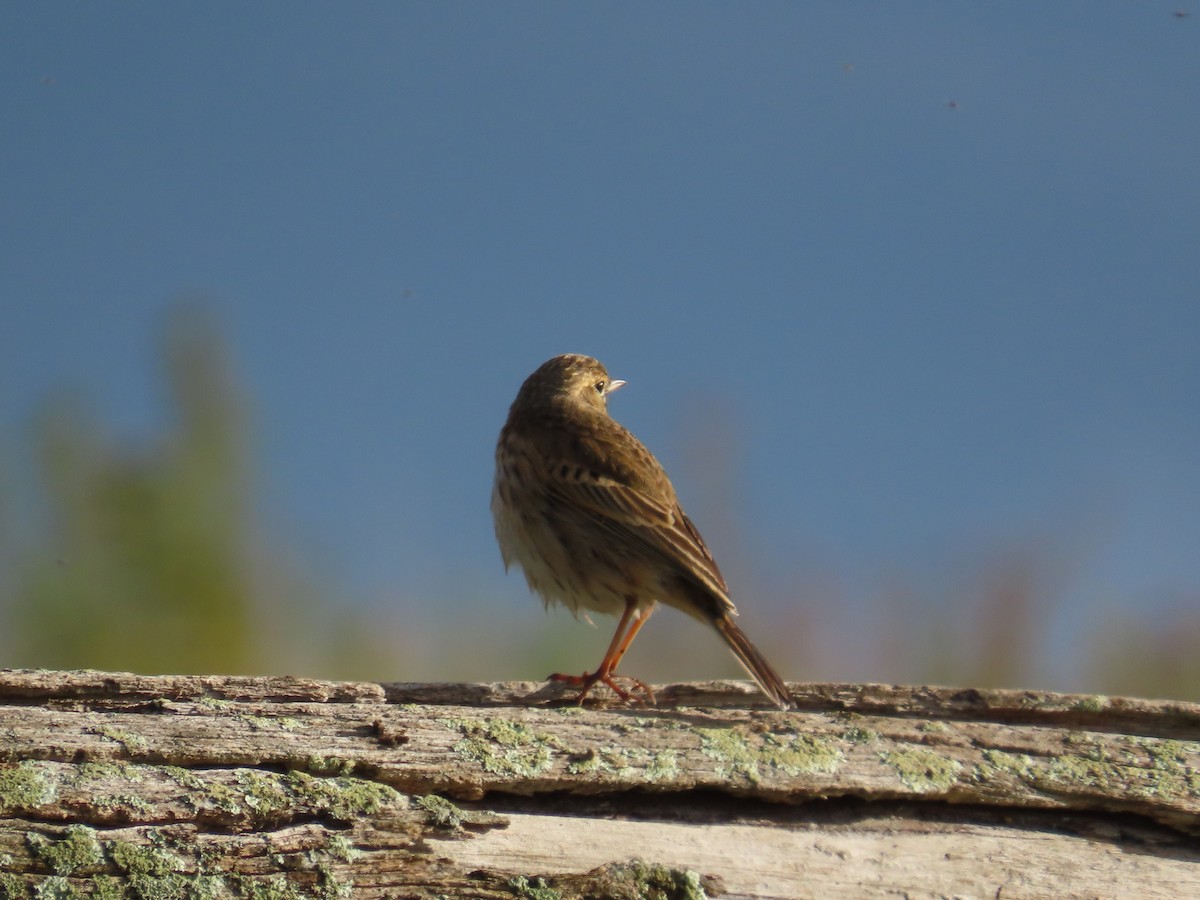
[117,785]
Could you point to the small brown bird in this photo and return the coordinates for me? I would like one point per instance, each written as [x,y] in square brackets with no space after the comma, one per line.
[591,517]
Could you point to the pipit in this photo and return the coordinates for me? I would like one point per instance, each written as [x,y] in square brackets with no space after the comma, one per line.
[591,518]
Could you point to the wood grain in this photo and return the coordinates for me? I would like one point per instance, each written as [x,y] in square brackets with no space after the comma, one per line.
[126,785]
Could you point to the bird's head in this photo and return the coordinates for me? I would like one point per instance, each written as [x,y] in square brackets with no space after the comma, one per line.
[571,378]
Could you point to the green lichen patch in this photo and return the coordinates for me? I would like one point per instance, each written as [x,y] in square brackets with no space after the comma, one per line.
[153,871]
[1094,704]
[269,723]
[533,888]
[153,859]
[641,764]
[639,724]
[328,765]
[280,887]
[503,747]
[442,815]
[633,880]
[801,754]
[440,812]
[599,761]
[77,850]
[663,765]
[859,735]
[261,718]
[266,797]
[12,887]
[264,794]
[1173,775]
[342,848]
[98,778]
[270,796]
[160,868]
[1078,773]
[131,803]
[1081,743]
[923,770]
[204,793]
[1142,767]
[342,798]
[730,749]
[56,887]
[275,888]
[25,786]
[739,754]
[1002,762]
[131,742]
[638,880]
[88,773]
[108,887]
[164,867]
[330,887]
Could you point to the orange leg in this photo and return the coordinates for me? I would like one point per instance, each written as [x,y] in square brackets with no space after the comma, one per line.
[639,619]
[631,623]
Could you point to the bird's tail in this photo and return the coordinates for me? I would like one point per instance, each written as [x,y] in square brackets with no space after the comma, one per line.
[753,661]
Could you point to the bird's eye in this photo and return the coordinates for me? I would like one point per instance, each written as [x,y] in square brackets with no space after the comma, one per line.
[600,387]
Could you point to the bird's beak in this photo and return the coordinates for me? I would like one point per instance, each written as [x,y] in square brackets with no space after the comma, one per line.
[612,386]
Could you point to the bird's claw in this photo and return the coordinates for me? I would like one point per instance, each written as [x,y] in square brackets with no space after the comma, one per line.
[588,680]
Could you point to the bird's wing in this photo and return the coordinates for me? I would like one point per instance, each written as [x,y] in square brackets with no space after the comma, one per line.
[637,517]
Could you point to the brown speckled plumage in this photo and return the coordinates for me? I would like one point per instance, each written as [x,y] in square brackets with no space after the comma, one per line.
[591,518]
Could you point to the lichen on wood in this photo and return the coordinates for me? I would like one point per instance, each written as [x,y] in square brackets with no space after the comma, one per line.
[118,785]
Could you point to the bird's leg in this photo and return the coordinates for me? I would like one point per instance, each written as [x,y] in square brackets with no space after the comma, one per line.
[608,667]
[639,619]
[632,619]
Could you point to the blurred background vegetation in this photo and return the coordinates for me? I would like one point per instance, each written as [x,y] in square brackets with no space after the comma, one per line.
[150,556]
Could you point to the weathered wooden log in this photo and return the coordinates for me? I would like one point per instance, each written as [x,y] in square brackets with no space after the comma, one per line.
[174,786]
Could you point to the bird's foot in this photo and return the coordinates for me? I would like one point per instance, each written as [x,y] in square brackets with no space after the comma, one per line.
[587,680]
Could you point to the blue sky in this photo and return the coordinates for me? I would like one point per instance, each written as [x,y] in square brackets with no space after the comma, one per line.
[926,275]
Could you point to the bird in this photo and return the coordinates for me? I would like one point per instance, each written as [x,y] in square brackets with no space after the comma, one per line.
[592,520]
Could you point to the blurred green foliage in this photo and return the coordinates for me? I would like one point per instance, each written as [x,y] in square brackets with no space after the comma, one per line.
[144,562]
[150,555]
